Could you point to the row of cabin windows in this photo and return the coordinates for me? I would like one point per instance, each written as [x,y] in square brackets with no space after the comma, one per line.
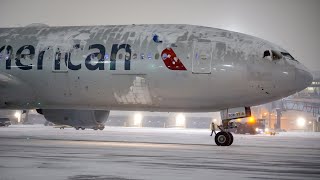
[121,56]
[126,56]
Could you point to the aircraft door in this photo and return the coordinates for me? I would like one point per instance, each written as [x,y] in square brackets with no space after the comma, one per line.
[60,60]
[202,58]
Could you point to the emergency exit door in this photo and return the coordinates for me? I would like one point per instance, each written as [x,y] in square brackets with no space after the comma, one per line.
[202,58]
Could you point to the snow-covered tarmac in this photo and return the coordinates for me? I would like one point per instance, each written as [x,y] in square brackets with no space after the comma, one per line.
[47,153]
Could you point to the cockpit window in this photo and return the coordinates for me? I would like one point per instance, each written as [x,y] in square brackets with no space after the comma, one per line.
[287,56]
[276,55]
[266,53]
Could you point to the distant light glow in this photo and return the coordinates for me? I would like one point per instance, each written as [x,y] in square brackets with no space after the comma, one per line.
[137,120]
[266,129]
[17,115]
[301,122]
[180,120]
[251,120]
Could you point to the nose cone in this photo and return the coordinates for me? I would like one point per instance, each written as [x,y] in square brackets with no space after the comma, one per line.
[303,78]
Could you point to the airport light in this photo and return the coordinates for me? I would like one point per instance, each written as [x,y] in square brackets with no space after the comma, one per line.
[301,122]
[180,120]
[17,115]
[137,119]
[251,120]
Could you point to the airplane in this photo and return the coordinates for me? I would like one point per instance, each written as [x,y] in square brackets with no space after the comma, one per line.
[80,72]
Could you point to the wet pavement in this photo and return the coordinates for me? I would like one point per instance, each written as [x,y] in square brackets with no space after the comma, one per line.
[38,152]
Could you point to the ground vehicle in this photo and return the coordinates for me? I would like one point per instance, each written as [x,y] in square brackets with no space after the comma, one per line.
[252,126]
[5,122]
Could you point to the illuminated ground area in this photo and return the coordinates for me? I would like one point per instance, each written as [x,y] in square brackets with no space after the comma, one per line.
[37,152]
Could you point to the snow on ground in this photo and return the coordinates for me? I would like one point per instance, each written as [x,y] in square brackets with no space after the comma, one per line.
[39,152]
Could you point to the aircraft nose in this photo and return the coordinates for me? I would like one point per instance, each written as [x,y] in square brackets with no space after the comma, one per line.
[303,78]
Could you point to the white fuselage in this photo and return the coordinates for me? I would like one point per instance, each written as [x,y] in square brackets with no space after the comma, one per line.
[142,67]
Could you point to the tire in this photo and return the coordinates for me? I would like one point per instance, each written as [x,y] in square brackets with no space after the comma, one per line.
[231,138]
[83,128]
[222,139]
[77,128]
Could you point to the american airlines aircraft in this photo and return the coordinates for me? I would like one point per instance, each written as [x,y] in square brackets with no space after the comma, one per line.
[81,73]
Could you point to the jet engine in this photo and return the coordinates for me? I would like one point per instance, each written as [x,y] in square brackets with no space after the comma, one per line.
[79,119]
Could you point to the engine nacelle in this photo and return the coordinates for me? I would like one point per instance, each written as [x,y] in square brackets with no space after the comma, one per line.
[93,119]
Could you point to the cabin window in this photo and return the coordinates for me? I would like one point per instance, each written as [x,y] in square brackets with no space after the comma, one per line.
[92,56]
[120,56]
[99,56]
[127,56]
[156,56]
[106,56]
[113,56]
[142,56]
[61,56]
[134,56]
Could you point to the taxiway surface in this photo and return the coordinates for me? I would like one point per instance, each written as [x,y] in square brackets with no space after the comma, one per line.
[47,153]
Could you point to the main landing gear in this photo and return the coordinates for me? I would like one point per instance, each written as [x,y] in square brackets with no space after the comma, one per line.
[224,138]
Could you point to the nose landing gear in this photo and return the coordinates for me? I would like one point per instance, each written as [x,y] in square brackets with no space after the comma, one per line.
[224,138]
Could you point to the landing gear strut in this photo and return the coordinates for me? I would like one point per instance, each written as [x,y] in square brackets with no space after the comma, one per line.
[224,138]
